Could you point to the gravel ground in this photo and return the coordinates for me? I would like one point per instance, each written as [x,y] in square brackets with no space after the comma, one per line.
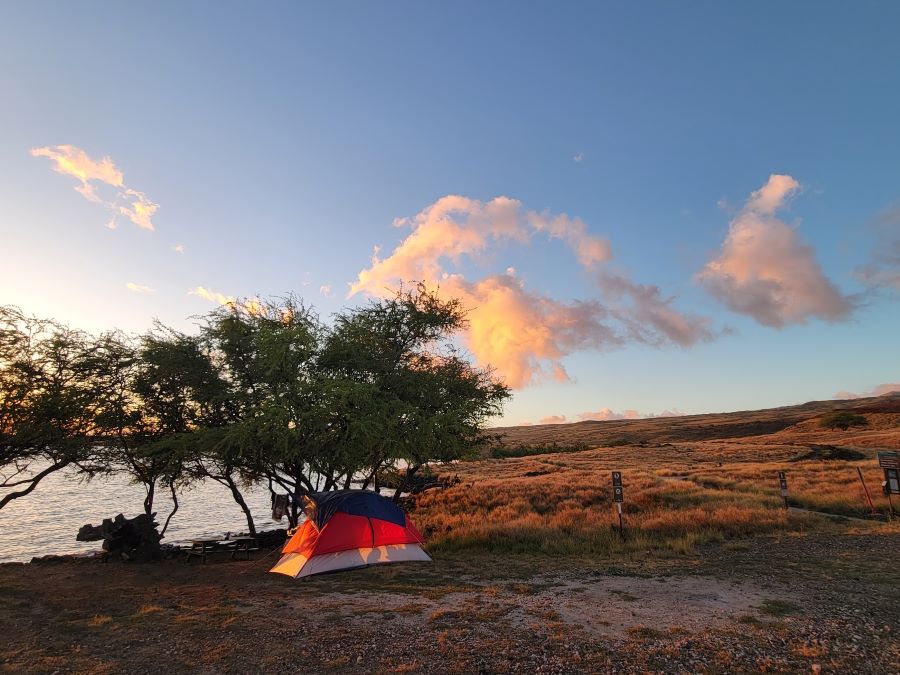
[791,604]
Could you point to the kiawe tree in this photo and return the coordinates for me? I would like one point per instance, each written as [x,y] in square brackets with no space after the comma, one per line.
[47,395]
[264,392]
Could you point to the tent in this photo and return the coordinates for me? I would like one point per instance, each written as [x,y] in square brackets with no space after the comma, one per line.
[346,529]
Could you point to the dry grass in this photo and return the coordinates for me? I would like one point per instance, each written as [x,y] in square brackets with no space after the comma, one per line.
[676,496]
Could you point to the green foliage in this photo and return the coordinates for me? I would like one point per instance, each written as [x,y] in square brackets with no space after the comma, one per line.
[842,420]
[264,391]
[47,388]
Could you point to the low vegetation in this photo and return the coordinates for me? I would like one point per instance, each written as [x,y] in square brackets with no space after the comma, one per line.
[676,497]
[843,420]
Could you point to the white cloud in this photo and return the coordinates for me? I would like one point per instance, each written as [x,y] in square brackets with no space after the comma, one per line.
[138,288]
[579,157]
[325,289]
[178,248]
[766,271]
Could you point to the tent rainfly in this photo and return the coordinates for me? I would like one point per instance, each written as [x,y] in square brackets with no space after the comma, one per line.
[346,529]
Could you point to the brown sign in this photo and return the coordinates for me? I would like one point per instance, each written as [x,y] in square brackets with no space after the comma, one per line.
[889,459]
[618,493]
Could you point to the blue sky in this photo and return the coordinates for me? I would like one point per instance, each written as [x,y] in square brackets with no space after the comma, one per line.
[280,142]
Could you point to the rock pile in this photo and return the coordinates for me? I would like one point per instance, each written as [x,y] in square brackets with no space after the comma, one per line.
[126,538]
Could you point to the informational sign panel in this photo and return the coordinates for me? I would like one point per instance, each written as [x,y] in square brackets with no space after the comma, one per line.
[782,481]
[889,459]
[892,481]
[618,493]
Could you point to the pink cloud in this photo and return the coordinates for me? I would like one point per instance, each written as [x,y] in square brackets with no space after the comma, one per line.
[553,419]
[605,414]
[880,390]
[766,271]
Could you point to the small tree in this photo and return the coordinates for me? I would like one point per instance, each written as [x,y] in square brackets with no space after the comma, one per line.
[842,420]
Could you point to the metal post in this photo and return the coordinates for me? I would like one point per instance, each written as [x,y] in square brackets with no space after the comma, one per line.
[866,490]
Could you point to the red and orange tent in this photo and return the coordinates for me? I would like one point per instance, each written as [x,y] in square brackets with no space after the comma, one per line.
[345,529]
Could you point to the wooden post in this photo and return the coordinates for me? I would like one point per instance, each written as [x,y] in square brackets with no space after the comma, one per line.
[782,480]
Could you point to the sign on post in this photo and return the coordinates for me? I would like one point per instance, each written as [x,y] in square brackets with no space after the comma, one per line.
[889,459]
[618,498]
[892,481]
[618,493]
[782,480]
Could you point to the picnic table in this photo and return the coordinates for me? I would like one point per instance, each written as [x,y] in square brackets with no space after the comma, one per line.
[245,544]
[200,548]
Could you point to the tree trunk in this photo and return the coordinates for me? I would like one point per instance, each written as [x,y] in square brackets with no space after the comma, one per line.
[410,470]
[148,500]
[239,498]
[175,502]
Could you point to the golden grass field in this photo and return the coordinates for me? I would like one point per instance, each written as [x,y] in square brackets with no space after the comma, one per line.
[678,493]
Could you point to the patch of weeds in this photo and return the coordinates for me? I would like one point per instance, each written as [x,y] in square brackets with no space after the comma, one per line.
[750,620]
[779,607]
[625,595]
[149,609]
[409,608]
[339,662]
[644,633]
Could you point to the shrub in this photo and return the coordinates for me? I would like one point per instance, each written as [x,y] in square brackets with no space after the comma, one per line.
[842,420]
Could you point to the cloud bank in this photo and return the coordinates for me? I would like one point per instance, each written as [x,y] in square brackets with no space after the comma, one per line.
[880,390]
[92,175]
[605,415]
[522,333]
[766,271]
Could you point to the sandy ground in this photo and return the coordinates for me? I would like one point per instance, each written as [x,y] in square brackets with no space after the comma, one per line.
[781,605]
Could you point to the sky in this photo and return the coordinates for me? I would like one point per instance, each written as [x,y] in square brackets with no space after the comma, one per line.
[647,208]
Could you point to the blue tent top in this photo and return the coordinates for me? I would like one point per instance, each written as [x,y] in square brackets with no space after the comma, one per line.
[320,506]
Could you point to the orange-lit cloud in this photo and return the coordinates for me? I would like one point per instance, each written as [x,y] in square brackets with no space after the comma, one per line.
[92,174]
[250,305]
[766,271]
[138,288]
[524,334]
[880,390]
[605,414]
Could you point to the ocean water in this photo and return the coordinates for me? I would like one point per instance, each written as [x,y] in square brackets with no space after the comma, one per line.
[47,520]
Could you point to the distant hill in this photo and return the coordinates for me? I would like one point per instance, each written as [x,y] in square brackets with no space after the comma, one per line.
[788,422]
